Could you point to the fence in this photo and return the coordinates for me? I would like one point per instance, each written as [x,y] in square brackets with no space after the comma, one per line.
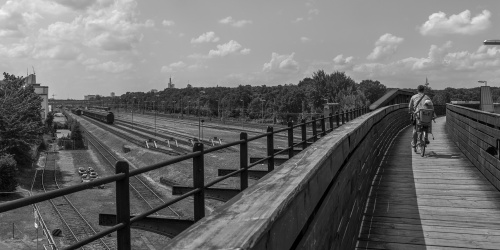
[121,178]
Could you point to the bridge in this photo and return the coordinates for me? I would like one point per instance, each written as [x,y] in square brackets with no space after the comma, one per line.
[358,186]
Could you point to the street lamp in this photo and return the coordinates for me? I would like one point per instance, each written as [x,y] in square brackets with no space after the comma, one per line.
[200,128]
[242,112]
[262,100]
[485,82]
[133,102]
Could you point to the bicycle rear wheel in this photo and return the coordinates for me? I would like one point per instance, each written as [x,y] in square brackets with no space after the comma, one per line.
[422,143]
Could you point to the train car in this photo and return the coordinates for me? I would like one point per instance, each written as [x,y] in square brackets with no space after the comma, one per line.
[100,108]
[103,116]
[76,111]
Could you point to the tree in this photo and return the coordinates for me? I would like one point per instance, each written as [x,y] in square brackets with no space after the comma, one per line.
[50,119]
[21,125]
[373,90]
[8,182]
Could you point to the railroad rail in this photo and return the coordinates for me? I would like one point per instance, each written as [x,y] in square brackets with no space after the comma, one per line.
[140,188]
[130,138]
[78,227]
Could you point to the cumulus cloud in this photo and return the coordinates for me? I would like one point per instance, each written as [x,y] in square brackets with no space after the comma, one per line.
[305,39]
[173,67]
[149,23]
[385,47]
[18,18]
[313,12]
[206,38]
[77,4]
[109,66]
[462,23]
[281,64]
[168,23]
[59,52]
[113,28]
[235,23]
[231,47]
[440,62]
[16,50]
[341,63]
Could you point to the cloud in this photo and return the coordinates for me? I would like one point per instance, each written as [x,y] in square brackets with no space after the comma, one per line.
[305,39]
[231,47]
[240,23]
[281,64]
[18,18]
[313,12]
[341,63]
[206,38]
[385,47]
[109,66]
[113,28]
[76,4]
[440,62]
[16,50]
[173,67]
[59,52]
[149,23]
[299,19]
[439,24]
[168,23]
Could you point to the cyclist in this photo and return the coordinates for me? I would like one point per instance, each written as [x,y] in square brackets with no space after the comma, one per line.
[416,103]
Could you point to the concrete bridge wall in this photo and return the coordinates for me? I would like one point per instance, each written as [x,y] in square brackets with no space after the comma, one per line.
[477,135]
[313,201]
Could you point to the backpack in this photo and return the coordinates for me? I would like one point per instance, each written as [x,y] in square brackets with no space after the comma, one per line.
[425,117]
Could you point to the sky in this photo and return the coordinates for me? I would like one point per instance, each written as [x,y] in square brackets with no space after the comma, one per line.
[82,47]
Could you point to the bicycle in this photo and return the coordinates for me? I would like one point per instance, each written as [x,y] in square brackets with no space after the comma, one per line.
[424,118]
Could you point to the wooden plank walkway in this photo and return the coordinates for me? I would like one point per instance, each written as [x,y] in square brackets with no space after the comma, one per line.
[440,201]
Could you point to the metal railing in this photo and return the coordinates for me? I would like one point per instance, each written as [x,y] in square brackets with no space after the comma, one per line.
[123,174]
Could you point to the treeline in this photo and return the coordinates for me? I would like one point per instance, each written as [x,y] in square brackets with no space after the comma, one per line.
[256,102]
[447,95]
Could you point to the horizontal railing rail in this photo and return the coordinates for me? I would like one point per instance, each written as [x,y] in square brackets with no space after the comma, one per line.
[477,135]
[122,227]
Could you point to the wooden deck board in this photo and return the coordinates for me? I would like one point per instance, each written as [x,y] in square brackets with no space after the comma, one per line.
[440,201]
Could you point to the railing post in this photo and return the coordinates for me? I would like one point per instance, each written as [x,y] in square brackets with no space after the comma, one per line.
[290,140]
[323,126]
[303,128]
[347,116]
[343,118]
[498,148]
[270,149]
[315,132]
[244,161]
[330,119]
[337,118]
[123,206]
[199,182]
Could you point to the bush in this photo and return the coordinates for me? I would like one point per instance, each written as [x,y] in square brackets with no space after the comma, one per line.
[8,182]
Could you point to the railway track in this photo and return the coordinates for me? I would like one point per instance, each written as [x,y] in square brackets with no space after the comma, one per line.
[259,129]
[140,188]
[174,152]
[78,228]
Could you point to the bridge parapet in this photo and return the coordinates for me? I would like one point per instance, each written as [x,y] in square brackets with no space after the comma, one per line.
[477,134]
[315,200]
